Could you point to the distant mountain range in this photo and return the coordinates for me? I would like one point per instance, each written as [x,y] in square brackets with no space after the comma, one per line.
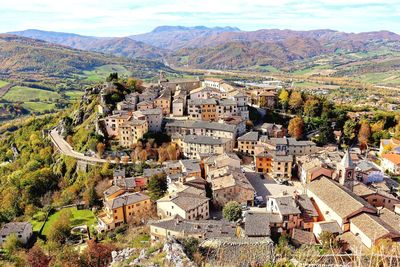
[227,47]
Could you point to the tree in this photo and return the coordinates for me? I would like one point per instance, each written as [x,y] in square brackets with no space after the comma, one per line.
[12,244]
[90,196]
[106,169]
[284,98]
[249,125]
[364,134]
[157,186]
[100,147]
[328,240]
[70,140]
[295,101]
[325,135]
[190,246]
[37,258]
[67,256]
[60,229]
[397,128]
[172,152]
[102,186]
[296,127]
[349,131]
[312,107]
[143,155]
[97,254]
[112,77]
[377,126]
[125,160]
[131,84]
[232,211]
[283,249]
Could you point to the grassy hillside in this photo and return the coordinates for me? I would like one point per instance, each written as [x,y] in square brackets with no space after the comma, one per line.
[49,76]
[23,94]
[33,60]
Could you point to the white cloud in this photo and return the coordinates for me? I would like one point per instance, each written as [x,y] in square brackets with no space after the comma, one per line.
[124,17]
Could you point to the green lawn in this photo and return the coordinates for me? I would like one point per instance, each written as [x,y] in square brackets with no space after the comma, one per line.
[37,220]
[26,94]
[100,73]
[3,83]
[79,217]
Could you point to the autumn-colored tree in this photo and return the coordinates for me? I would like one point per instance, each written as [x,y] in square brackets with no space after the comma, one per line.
[162,154]
[312,107]
[295,101]
[90,196]
[36,257]
[69,140]
[151,142]
[172,152]
[328,240]
[364,134]
[100,147]
[106,169]
[143,155]
[284,98]
[67,256]
[387,148]
[125,160]
[377,126]
[296,127]
[397,128]
[385,252]
[97,254]
[117,160]
[131,83]
[102,186]
[139,86]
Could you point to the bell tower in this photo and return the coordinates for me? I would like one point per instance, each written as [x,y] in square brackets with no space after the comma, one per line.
[346,171]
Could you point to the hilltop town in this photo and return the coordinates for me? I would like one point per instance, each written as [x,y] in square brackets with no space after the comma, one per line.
[205,168]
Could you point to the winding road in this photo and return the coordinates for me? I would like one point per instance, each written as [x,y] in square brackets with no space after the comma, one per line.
[65,149]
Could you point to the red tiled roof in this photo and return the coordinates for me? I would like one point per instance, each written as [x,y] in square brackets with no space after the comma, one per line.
[395,158]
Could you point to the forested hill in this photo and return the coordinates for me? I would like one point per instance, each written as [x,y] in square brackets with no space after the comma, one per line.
[32,60]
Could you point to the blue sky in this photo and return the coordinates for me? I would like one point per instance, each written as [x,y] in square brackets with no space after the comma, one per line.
[125,17]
